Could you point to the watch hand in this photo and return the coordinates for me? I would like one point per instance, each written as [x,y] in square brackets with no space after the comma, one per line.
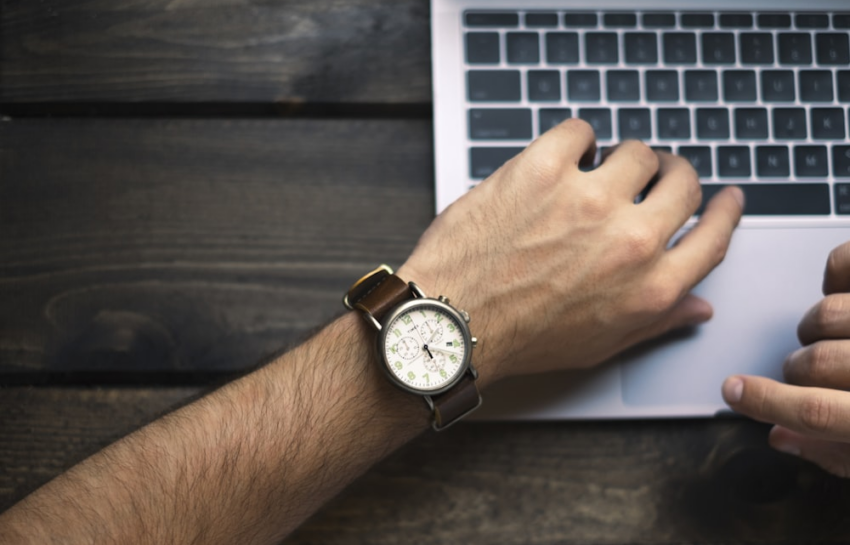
[416,358]
[445,351]
[431,338]
[429,352]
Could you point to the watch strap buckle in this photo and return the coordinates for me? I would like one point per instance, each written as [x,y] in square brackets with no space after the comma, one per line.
[359,289]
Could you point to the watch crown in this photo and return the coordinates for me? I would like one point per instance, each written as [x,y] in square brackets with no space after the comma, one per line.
[465,316]
[443,299]
[474,341]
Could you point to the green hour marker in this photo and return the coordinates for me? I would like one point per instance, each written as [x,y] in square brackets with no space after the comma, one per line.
[455,343]
[451,327]
[423,313]
[406,319]
[394,348]
[439,318]
[443,373]
[453,358]
[397,332]
[411,375]
[427,378]
[397,365]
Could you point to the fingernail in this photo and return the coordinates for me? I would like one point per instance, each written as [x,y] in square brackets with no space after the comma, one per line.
[788,448]
[733,389]
[739,196]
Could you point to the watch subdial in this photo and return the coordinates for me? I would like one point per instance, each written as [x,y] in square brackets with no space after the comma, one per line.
[408,348]
[436,364]
[431,331]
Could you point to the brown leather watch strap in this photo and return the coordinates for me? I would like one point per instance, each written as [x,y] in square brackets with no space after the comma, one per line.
[378,293]
[453,405]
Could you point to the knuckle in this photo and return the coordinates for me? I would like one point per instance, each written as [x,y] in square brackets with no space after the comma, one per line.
[818,362]
[658,296]
[595,205]
[640,243]
[543,167]
[816,414]
[643,155]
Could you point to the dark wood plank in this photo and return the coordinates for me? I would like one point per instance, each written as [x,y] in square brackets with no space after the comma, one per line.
[144,246]
[229,51]
[594,482]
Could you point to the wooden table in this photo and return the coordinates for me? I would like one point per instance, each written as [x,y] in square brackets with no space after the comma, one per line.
[178,184]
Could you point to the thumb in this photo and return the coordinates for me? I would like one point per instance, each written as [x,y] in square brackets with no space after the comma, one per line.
[830,455]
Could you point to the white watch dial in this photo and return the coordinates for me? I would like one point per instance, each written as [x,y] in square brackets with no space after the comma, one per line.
[425,347]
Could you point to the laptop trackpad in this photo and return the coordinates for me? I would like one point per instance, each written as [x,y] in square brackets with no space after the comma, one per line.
[769,279]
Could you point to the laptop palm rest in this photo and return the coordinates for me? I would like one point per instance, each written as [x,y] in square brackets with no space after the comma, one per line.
[770,277]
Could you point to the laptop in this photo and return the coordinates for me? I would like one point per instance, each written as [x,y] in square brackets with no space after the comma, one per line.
[757,98]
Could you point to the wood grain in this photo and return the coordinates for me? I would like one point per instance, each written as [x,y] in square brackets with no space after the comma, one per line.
[142,246]
[224,51]
[700,481]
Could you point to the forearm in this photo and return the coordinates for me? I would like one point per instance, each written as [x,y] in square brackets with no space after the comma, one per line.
[245,464]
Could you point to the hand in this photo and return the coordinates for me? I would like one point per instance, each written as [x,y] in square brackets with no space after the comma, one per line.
[812,411]
[558,268]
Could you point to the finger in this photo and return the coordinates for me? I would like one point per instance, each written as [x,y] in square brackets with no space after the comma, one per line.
[818,412]
[833,456]
[836,278]
[828,319]
[676,195]
[688,312]
[705,246]
[628,167]
[569,143]
[825,364]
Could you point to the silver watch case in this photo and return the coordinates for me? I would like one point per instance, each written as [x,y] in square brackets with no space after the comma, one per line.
[422,300]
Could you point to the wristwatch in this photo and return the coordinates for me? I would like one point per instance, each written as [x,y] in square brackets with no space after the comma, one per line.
[425,344]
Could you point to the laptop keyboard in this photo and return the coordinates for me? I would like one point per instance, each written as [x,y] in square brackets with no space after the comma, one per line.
[756,99]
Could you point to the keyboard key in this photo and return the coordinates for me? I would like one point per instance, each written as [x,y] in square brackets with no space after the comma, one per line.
[789,123]
[523,47]
[485,161]
[634,123]
[756,47]
[583,85]
[815,85]
[739,86]
[777,86]
[733,161]
[841,161]
[772,162]
[674,123]
[833,48]
[718,48]
[599,119]
[842,198]
[827,123]
[778,199]
[810,162]
[751,123]
[500,124]
[811,20]
[658,20]
[544,85]
[843,77]
[541,20]
[619,20]
[795,48]
[477,18]
[841,20]
[700,158]
[482,47]
[736,20]
[712,123]
[641,48]
[562,47]
[662,85]
[680,48]
[774,20]
[493,85]
[623,85]
[580,19]
[601,48]
[697,20]
[700,85]
[550,117]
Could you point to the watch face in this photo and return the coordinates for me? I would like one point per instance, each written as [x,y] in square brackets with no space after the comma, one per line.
[425,347]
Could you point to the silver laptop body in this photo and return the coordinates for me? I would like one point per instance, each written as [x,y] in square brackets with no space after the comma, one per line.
[502,77]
